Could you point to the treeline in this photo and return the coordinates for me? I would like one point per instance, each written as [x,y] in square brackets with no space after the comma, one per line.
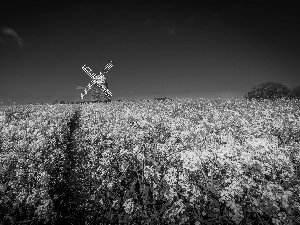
[267,90]
[272,91]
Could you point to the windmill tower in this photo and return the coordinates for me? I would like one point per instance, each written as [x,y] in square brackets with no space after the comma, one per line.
[99,94]
[100,89]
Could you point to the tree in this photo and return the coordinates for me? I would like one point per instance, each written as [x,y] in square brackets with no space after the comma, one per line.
[295,92]
[268,90]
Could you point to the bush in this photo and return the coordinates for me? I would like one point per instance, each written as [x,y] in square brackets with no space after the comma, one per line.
[295,92]
[269,91]
[162,99]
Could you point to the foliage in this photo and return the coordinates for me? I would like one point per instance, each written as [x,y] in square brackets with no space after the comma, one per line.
[163,99]
[31,150]
[268,90]
[177,162]
[295,92]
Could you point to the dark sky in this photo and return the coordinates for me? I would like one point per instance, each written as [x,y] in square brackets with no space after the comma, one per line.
[196,49]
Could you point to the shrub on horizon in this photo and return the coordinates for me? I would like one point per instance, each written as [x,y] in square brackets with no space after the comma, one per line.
[268,91]
[295,92]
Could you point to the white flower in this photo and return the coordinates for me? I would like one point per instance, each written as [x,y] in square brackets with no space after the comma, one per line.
[170,176]
[148,171]
[140,157]
[136,149]
[177,208]
[110,185]
[190,160]
[128,206]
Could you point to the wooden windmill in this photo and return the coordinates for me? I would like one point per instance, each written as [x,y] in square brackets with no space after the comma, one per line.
[100,89]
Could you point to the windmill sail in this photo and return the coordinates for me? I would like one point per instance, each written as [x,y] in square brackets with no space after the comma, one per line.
[107,67]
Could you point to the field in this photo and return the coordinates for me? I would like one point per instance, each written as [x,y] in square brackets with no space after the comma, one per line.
[173,162]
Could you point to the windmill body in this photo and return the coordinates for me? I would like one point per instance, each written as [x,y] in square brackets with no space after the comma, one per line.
[100,87]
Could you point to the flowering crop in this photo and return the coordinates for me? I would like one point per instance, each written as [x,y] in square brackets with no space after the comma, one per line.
[28,151]
[174,162]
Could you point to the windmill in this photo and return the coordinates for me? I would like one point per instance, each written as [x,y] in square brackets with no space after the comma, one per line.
[100,91]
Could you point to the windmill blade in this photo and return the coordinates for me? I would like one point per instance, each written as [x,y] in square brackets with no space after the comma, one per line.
[83,94]
[107,67]
[89,86]
[88,71]
[105,89]
[108,95]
